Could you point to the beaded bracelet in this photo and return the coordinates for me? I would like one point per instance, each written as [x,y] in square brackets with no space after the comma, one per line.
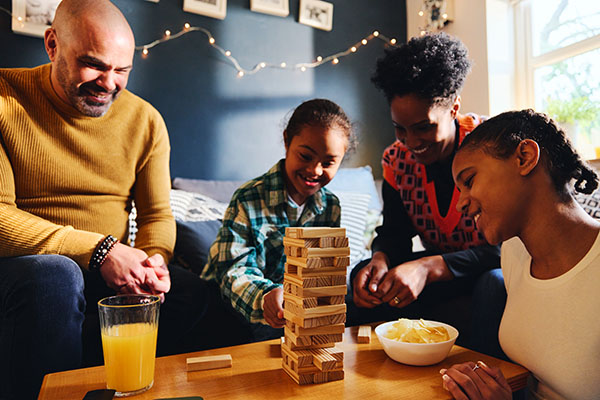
[101,252]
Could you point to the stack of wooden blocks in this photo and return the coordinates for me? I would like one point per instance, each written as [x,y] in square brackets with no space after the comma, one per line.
[314,287]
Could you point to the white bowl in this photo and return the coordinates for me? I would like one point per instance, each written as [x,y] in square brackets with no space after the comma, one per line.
[416,353]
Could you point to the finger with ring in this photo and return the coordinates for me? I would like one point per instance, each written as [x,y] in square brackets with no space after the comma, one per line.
[396,300]
[476,367]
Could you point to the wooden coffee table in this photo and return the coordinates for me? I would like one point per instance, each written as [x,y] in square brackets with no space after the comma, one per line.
[257,374]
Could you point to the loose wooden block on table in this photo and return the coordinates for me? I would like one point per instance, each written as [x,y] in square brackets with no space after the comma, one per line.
[208,362]
[364,334]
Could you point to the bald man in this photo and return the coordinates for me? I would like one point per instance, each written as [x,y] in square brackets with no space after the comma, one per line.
[75,149]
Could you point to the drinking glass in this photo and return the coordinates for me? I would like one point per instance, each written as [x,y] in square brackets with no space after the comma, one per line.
[129,326]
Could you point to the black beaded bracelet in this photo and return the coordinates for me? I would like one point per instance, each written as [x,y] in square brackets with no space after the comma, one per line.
[101,252]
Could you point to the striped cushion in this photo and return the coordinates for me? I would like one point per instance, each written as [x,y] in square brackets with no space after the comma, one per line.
[187,206]
[590,203]
[354,219]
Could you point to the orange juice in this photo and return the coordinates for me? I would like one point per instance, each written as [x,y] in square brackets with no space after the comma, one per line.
[129,351]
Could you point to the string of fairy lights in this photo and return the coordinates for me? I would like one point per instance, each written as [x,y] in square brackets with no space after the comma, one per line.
[318,61]
[260,66]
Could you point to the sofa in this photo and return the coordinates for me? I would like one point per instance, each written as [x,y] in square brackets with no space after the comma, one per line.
[198,206]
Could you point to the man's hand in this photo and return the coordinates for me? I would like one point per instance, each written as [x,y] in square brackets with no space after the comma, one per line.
[366,282]
[273,308]
[475,382]
[129,270]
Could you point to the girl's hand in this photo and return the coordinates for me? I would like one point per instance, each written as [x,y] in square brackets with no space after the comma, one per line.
[273,308]
[366,282]
[475,381]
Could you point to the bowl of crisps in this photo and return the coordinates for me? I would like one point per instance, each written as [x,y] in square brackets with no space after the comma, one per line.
[416,342]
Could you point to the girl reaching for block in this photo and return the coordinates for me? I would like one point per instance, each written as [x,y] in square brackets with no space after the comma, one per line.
[247,258]
[514,173]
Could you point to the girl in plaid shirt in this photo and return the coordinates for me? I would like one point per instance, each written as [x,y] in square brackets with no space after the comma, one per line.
[246,260]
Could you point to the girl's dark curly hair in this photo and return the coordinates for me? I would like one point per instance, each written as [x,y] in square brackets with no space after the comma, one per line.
[433,66]
[499,137]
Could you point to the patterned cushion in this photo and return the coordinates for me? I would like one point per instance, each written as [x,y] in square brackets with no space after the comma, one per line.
[354,219]
[590,203]
[187,206]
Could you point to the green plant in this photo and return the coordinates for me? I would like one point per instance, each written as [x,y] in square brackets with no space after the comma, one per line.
[578,109]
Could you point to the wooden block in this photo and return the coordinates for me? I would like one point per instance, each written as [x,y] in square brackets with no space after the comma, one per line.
[338,280]
[318,262]
[311,341]
[296,305]
[325,252]
[336,353]
[315,321]
[321,330]
[208,362]
[324,361]
[290,286]
[364,334]
[335,375]
[314,232]
[315,242]
[340,242]
[301,271]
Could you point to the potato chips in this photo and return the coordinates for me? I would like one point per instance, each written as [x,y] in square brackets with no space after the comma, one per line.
[413,331]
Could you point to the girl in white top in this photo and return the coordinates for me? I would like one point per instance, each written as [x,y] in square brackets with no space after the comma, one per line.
[514,173]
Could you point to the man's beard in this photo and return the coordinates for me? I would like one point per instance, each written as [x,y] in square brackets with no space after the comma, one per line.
[78,95]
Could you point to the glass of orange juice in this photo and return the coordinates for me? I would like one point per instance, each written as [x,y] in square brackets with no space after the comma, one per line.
[129,326]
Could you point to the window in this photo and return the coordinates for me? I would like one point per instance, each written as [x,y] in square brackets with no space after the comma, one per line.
[558,68]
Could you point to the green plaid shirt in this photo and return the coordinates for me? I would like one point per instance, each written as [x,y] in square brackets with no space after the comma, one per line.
[247,257]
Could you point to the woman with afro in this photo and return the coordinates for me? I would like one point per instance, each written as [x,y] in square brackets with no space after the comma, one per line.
[422,80]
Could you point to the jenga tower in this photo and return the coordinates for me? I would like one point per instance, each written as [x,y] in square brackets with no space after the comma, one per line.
[314,286]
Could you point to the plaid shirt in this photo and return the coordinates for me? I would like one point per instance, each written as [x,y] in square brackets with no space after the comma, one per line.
[247,259]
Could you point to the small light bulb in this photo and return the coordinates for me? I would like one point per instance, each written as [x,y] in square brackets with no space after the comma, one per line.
[211,40]
[319,58]
[421,13]
[283,65]
[445,16]
[376,33]
[145,51]
[303,69]
[186,25]
[167,33]
[364,41]
[353,49]
[241,73]
[335,61]
[262,65]
[227,53]
[393,41]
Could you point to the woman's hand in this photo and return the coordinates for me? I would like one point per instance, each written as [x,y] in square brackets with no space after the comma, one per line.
[405,282]
[475,381]
[367,280]
[273,308]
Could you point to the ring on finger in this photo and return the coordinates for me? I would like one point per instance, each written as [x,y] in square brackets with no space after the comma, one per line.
[396,300]
[476,367]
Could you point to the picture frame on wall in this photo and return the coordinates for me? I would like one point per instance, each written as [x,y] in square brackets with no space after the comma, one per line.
[280,8]
[316,13]
[33,17]
[210,8]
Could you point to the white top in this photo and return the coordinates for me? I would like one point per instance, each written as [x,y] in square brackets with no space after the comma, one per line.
[299,207]
[552,326]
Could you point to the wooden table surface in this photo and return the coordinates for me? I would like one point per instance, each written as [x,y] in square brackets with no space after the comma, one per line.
[257,374]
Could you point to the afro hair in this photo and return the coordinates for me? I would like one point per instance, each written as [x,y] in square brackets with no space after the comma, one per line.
[433,66]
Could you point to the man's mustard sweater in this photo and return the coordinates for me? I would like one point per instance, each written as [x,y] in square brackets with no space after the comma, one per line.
[67,180]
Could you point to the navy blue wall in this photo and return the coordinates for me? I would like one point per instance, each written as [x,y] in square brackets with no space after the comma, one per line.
[225,127]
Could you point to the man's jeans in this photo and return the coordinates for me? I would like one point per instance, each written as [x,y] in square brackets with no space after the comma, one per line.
[46,327]
[42,309]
